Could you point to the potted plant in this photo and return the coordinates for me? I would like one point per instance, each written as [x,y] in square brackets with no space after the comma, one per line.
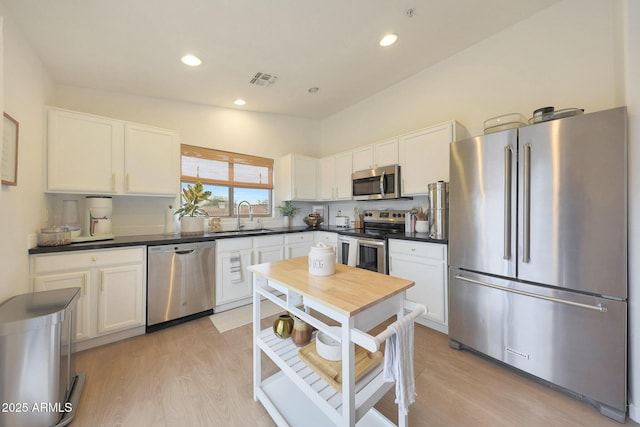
[288,211]
[191,213]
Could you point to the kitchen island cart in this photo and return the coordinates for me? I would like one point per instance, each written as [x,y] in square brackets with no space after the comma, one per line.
[355,299]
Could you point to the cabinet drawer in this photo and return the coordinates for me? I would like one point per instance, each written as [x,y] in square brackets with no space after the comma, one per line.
[235,244]
[293,238]
[326,237]
[266,241]
[434,251]
[87,259]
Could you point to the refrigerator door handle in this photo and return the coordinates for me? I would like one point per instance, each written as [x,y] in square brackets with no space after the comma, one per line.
[507,202]
[526,205]
[598,307]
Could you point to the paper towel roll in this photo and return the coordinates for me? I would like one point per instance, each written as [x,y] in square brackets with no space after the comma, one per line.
[169,221]
[353,252]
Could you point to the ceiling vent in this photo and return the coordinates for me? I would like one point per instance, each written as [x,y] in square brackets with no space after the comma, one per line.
[263,79]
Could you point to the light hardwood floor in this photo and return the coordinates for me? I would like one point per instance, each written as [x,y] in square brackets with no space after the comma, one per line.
[192,375]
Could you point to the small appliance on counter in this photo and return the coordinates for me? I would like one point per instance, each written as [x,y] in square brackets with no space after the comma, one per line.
[97,219]
[342,220]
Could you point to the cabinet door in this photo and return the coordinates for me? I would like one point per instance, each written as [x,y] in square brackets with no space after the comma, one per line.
[327,177]
[424,158]
[268,254]
[362,158]
[76,279]
[429,278]
[298,244]
[342,176]
[84,153]
[298,177]
[121,298]
[152,161]
[233,284]
[385,152]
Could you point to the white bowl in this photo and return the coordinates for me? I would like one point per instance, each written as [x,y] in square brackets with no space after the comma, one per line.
[327,347]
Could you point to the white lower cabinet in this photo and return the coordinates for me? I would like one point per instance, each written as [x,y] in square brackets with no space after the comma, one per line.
[233,283]
[112,282]
[426,264]
[298,244]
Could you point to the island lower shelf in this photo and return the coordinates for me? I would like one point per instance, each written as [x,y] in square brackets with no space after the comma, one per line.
[296,409]
[318,393]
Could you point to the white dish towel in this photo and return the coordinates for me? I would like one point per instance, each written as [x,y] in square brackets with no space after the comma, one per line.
[398,362]
[352,258]
[235,267]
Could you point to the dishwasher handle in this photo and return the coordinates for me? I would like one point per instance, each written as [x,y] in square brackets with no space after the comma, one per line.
[187,252]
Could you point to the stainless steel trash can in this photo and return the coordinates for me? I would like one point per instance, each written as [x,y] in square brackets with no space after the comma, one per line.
[39,384]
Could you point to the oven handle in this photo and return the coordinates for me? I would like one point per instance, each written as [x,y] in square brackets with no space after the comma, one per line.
[370,243]
[382,184]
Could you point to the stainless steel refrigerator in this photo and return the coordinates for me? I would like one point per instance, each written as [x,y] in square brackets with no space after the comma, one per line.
[538,252]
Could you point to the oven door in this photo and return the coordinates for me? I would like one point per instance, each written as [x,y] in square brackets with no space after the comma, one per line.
[372,255]
[368,254]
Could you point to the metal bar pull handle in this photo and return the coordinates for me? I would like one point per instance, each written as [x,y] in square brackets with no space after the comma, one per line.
[372,343]
[382,184]
[507,202]
[526,205]
[598,307]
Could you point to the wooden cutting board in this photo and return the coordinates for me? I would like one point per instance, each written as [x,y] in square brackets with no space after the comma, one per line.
[331,371]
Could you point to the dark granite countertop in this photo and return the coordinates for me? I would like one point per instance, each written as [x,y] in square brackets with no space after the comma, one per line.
[165,239]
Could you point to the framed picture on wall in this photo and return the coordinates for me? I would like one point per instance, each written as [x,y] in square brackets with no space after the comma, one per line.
[9,167]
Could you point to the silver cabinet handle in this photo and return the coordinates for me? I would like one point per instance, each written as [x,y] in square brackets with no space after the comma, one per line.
[598,307]
[526,205]
[507,202]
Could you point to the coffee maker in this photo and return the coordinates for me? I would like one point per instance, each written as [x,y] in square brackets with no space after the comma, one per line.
[97,219]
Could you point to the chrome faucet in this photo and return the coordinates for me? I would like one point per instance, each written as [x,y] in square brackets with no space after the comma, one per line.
[250,213]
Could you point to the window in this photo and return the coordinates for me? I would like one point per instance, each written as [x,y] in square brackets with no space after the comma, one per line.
[231,178]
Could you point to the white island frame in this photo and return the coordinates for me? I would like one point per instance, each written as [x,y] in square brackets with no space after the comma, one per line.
[357,300]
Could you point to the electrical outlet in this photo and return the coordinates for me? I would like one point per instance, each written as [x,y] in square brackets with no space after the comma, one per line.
[32,240]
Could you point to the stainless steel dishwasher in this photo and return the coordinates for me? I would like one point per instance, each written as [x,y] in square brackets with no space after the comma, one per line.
[180,283]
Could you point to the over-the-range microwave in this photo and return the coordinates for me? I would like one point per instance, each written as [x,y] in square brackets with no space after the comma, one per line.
[376,184]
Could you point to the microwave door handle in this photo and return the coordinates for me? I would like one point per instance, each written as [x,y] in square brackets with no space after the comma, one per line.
[382,184]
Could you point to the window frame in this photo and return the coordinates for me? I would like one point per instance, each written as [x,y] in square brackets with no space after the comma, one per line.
[231,158]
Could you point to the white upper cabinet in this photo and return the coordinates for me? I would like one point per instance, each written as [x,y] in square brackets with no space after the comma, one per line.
[424,156]
[84,152]
[374,155]
[92,154]
[335,177]
[298,177]
[152,160]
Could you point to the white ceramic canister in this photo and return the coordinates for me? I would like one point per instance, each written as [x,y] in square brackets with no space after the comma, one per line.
[322,260]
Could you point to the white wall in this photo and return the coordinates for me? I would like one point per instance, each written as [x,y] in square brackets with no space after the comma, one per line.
[563,56]
[26,88]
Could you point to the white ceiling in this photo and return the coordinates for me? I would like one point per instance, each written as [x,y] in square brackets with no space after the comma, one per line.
[134,46]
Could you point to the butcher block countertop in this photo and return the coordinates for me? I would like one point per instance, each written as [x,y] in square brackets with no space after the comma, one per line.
[349,291]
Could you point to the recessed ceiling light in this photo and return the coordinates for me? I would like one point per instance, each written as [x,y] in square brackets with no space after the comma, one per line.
[313,89]
[388,40]
[191,60]
[239,102]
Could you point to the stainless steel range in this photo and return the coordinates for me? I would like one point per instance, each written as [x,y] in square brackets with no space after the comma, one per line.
[366,248]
